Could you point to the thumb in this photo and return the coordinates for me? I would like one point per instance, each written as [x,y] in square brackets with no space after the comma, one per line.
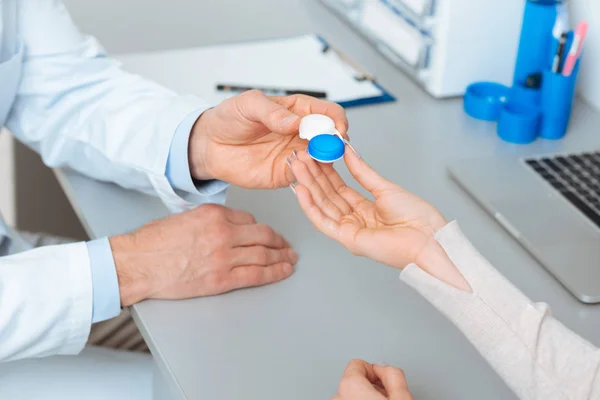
[257,107]
[364,174]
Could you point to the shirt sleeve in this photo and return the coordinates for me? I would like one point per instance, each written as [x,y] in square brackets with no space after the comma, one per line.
[78,108]
[106,299]
[536,355]
[46,299]
[178,170]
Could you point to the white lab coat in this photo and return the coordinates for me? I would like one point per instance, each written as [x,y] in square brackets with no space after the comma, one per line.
[63,97]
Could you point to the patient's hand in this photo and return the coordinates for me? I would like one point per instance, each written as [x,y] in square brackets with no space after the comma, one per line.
[393,229]
[364,381]
[396,229]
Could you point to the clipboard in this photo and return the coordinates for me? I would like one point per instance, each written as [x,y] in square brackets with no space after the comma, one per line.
[359,75]
[301,62]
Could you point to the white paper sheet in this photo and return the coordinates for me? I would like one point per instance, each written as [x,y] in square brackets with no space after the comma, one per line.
[292,63]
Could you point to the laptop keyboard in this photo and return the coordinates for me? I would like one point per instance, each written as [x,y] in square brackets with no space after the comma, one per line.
[576,177]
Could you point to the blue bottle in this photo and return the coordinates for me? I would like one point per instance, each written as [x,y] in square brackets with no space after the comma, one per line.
[536,43]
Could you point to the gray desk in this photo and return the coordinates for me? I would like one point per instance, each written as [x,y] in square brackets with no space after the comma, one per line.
[292,340]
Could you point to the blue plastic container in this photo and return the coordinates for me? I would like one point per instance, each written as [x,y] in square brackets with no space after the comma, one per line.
[536,43]
[484,100]
[524,95]
[558,94]
[519,123]
[326,148]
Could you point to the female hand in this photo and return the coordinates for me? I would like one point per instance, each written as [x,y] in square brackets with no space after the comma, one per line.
[396,229]
[364,381]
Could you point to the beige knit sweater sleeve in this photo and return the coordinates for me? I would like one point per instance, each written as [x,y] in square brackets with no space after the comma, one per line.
[537,356]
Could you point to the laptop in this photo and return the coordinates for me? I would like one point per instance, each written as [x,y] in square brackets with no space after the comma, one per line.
[551,205]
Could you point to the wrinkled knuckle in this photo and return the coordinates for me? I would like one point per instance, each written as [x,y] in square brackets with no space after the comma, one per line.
[223,233]
[337,109]
[211,210]
[252,94]
[266,232]
[250,217]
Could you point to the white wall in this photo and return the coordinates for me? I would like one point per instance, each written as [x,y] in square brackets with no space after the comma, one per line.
[589,79]
[7,179]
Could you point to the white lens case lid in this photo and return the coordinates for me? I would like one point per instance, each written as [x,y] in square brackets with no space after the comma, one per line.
[317,124]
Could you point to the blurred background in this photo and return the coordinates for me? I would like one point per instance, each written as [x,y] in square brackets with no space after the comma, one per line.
[34,201]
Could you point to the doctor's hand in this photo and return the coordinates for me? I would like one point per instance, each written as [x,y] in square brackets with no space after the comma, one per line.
[206,251]
[245,140]
[364,381]
[397,228]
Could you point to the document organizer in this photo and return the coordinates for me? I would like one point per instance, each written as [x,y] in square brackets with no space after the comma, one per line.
[444,45]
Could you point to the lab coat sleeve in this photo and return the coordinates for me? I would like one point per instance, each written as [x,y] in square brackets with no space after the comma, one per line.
[78,108]
[45,302]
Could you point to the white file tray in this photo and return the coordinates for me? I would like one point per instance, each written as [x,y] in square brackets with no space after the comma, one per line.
[402,43]
[420,8]
[403,38]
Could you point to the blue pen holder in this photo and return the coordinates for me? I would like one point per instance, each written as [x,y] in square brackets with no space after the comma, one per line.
[524,95]
[525,113]
[534,54]
[558,94]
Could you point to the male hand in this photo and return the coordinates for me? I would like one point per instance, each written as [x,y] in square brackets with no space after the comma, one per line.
[245,140]
[364,381]
[206,251]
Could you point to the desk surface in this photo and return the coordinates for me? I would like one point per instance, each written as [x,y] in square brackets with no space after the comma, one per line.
[292,340]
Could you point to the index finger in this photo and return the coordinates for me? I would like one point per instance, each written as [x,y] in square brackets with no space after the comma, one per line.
[305,105]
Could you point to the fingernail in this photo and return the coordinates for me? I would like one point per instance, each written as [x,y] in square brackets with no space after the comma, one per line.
[382,364]
[293,256]
[288,161]
[292,186]
[353,149]
[288,268]
[287,121]
[295,154]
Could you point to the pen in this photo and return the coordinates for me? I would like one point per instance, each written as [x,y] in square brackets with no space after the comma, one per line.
[576,48]
[556,64]
[272,91]
[562,21]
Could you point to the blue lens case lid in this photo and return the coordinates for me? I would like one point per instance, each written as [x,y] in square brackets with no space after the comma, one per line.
[484,100]
[326,148]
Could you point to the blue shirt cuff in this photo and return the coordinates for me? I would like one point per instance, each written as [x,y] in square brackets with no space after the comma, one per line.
[106,301]
[178,167]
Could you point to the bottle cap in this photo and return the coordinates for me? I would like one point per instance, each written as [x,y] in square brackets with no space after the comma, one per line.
[484,100]
[519,123]
[326,148]
[316,124]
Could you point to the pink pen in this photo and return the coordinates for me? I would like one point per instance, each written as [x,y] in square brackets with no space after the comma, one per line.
[576,48]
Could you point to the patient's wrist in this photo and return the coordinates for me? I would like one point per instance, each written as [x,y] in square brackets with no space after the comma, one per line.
[434,260]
